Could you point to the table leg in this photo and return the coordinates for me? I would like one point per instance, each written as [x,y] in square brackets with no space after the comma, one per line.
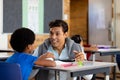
[94,77]
[57,76]
[114,72]
[71,78]
[107,77]
[93,58]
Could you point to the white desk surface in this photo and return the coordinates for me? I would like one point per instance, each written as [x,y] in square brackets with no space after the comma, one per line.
[106,50]
[109,50]
[5,55]
[6,50]
[88,65]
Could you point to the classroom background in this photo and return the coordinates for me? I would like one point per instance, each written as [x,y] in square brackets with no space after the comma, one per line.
[97,21]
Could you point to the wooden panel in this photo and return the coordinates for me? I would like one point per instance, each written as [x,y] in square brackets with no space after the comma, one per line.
[79,18]
[66,11]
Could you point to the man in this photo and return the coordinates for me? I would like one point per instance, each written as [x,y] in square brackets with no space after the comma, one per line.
[59,45]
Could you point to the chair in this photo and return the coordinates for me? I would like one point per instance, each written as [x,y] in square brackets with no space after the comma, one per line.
[10,71]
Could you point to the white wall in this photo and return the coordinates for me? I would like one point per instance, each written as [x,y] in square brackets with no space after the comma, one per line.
[99,21]
[118,23]
[117,11]
[3,37]
[1,15]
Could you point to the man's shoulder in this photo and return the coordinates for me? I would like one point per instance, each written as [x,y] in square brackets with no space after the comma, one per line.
[71,44]
[68,40]
[45,43]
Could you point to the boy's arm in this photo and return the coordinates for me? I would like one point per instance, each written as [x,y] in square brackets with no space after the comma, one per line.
[46,63]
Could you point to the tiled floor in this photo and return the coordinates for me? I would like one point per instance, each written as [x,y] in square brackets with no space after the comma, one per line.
[101,75]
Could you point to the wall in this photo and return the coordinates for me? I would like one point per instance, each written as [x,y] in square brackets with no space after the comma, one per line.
[66,12]
[79,18]
[3,37]
[99,21]
[117,14]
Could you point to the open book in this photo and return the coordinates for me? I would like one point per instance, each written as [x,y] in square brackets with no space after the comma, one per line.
[65,64]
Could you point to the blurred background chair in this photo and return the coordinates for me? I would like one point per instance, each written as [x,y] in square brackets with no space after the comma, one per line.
[10,71]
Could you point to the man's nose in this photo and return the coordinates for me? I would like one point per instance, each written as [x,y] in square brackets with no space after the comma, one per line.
[53,36]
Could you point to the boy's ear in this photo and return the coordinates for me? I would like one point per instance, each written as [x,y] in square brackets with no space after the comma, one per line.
[29,47]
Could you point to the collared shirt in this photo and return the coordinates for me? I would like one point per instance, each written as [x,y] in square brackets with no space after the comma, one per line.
[63,55]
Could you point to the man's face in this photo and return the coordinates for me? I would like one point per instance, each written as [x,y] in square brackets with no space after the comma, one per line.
[57,37]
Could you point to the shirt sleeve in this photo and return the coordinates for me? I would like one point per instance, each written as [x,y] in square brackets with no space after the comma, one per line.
[30,59]
[82,48]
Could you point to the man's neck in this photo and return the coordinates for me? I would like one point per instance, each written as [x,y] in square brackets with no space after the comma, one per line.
[59,49]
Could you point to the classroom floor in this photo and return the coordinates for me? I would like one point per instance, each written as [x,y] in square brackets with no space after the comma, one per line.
[101,76]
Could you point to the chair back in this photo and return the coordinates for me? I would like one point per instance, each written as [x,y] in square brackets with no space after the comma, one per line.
[10,71]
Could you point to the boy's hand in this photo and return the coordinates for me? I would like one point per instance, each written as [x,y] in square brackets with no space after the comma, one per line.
[79,56]
[47,55]
[46,60]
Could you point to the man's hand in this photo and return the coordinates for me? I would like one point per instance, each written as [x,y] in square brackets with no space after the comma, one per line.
[79,56]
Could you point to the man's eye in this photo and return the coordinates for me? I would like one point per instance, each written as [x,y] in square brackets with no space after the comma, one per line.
[57,34]
[51,33]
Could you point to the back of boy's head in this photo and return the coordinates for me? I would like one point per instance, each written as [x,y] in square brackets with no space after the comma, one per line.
[76,38]
[21,38]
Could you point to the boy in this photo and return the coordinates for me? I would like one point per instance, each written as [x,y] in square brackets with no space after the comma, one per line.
[22,41]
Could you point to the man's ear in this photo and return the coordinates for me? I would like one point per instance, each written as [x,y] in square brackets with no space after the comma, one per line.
[66,34]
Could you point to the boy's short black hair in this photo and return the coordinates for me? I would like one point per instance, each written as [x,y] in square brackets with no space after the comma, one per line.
[76,38]
[21,38]
[59,23]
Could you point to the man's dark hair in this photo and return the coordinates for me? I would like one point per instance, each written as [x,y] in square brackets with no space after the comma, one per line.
[59,23]
[21,38]
[76,38]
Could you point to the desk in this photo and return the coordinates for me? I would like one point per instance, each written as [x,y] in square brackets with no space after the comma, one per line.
[5,53]
[6,50]
[4,56]
[105,52]
[88,68]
